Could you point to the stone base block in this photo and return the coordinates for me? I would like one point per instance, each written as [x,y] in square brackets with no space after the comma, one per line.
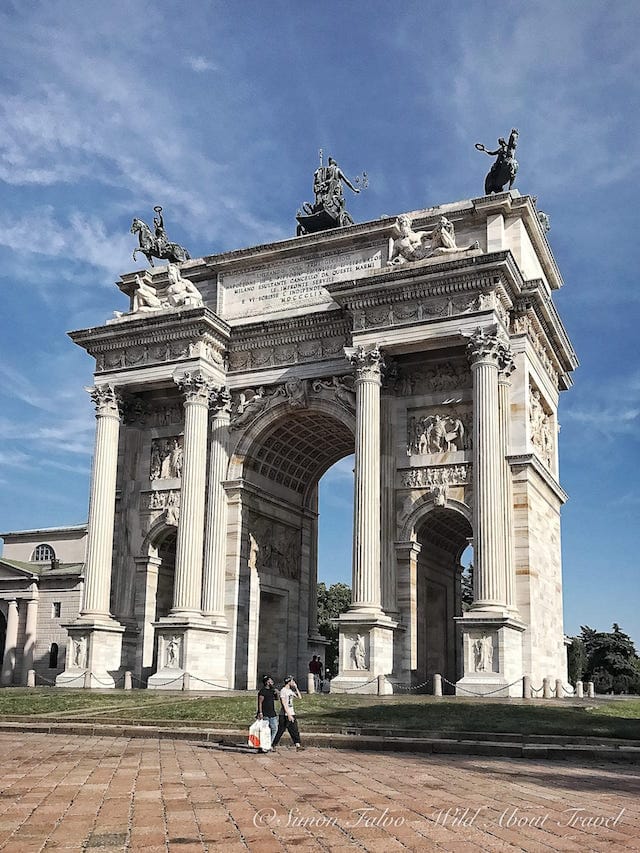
[191,656]
[365,652]
[94,655]
[492,654]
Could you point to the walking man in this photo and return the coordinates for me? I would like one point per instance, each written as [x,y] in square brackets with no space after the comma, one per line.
[287,718]
[267,696]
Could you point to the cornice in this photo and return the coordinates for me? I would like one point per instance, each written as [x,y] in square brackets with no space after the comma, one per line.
[530,460]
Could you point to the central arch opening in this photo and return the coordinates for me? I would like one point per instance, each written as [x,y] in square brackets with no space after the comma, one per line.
[444,536]
[282,469]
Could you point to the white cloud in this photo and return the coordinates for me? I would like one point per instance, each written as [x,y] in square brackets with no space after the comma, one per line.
[199,64]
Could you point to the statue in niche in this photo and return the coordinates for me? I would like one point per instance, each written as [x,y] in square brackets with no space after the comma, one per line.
[157,245]
[181,293]
[541,431]
[254,551]
[483,653]
[172,509]
[173,653]
[413,245]
[358,653]
[505,168]
[80,652]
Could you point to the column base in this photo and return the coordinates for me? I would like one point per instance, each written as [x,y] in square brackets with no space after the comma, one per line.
[94,654]
[365,651]
[191,655]
[492,654]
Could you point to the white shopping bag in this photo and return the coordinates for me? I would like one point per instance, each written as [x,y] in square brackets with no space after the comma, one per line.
[254,733]
[265,736]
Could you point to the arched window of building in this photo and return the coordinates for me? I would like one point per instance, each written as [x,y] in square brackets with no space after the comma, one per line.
[43,554]
[53,656]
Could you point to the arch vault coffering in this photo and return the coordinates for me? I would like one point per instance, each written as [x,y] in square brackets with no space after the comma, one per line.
[298,448]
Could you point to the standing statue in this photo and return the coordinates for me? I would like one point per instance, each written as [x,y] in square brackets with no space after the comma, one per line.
[328,211]
[505,168]
[157,245]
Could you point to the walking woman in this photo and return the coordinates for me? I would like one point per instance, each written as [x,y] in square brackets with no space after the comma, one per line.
[287,717]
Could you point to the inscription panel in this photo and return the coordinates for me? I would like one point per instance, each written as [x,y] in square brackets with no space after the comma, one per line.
[254,292]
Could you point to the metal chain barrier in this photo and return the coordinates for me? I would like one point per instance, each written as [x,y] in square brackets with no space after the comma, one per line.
[409,687]
[488,693]
[212,683]
[358,686]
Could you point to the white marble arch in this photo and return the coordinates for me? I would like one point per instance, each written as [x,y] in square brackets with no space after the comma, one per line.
[418,514]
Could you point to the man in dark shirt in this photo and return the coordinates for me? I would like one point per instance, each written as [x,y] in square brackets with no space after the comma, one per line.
[267,696]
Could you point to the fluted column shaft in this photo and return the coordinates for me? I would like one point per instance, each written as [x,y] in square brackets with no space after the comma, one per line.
[507,366]
[187,590]
[488,520]
[30,636]
[216,533]
[366,594]
[102,504]
[10,644]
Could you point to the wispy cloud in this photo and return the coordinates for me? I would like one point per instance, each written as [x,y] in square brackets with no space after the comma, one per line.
[199,64]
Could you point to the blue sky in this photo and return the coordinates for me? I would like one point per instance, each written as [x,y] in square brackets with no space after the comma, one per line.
[217,110]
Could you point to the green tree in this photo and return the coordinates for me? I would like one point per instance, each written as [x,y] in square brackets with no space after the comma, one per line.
[332,601]
[467,587]
[576,659]
[611,660]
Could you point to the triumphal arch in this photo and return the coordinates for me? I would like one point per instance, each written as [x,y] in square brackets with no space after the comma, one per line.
[428,345]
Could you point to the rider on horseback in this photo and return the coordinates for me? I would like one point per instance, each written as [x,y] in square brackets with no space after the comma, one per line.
[161,234]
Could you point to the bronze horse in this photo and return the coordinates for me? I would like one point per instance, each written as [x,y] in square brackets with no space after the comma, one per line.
[505,168]
[152,248]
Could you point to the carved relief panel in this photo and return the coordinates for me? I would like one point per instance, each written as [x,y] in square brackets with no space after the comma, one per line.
[274,547]
[166,458]
[541,422]
[439,429]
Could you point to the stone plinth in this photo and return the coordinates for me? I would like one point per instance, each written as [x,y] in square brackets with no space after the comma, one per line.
[192,648]
[94,655]
[492,656]
[365,652]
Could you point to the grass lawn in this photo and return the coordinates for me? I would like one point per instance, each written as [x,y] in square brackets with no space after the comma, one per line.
[619,719]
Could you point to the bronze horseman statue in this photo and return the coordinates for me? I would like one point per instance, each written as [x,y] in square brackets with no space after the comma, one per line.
[505,168]
[328,211]
[157,245]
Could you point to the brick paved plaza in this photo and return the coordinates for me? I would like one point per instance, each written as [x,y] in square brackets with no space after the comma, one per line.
[70,793]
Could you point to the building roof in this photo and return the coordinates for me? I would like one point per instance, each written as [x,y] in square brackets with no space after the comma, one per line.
[71,528]
[43,569]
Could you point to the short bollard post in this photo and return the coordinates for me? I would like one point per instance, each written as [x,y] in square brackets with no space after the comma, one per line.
[186,681]
[31,678]
[87,678]
[591,691]
[127,680]
[526,687]
[381,685]
[558,688]
[311,686]
[437,685]
[579,689]
[546,688]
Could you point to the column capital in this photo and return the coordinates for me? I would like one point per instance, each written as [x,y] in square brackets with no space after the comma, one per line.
[106,399]
[367,361]
[484,347]
[196,386]
[506,363]
[219,401]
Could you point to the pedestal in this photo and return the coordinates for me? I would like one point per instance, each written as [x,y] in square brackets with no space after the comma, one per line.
[492,655]
[365,652]
[94,654]
[193,648]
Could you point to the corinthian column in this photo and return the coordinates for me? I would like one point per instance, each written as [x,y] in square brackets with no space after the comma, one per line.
[102,504]
[187,592]
[366,594]
[484,351]
[215,553]
[506,367]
